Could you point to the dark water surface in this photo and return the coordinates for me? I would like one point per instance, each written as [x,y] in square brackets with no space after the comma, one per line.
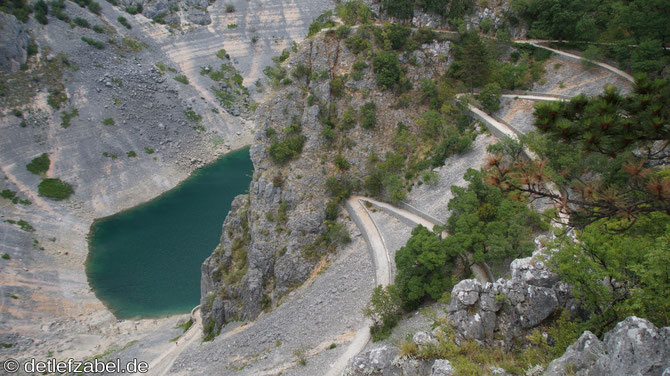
[145,261]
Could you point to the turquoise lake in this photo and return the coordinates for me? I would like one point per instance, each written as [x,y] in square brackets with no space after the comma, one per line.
[145,261]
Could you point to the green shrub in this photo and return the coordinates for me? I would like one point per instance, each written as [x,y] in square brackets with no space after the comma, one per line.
[337,86]
[384,308]
[6,256]
[131,154]
[108,121]
[39,165]
[387,69]
[342,162]
[323,21]
[348,118]
[489,97]
[94,42]
[56,97]
[148,150]
[282,151]
[66,117]
[94,7]
[222,54]
[55,189]
[369,115]
[134,9]
[98,29]
[123,21]
[230,8]
[181,78]
[192,116]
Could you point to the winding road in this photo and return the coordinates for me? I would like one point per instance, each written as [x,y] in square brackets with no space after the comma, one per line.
[359,213]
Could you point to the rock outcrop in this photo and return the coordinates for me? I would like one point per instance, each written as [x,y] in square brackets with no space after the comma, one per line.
[13,43]
[509,308]
[634,347]
[286,216]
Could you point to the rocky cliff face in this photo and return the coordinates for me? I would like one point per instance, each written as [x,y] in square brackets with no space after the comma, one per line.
[279,237]
[13,43]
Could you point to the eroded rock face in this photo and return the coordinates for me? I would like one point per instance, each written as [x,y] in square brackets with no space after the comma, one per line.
[377,361]
[285,215]
[13,43]
[510,307]
[634,347]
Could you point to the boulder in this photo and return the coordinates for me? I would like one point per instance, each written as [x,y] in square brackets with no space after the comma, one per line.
[13,43]
[578,357]
[442,367]
[377,361]
[634,347]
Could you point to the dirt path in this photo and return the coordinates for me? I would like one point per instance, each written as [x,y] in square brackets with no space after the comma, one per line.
[161,364]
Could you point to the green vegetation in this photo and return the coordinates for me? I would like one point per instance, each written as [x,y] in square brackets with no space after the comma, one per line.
[181,78]
[489,97]
[81,22]
[55,189]
[149,150]
[606,149]
[66,117]
[123,21]
[631,32]
[19,8]
[186,325]
[325,20]
[56,97]
[384,308]
[108,121]
[110,155]
[131,154]
[352,12]
[39,165]
[222,54]
[232,26]
[94,42]
[388,71]
[369,115]
[41,10]
[193,116]
[6,256]
[94,7]
[288,147]
[230,8]
[134,9]
[98,29]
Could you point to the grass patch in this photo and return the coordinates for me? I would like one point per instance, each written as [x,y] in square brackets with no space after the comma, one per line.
[181,78]
[54,189]
[185,325]
[192,116]
[94,42]
[56,97]
[221,54]
[123,21]
[39,165]
[67,116]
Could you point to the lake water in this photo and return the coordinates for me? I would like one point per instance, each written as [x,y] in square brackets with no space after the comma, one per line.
[145,261]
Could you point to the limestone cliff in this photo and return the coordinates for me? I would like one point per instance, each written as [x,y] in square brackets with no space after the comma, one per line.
[274,236]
